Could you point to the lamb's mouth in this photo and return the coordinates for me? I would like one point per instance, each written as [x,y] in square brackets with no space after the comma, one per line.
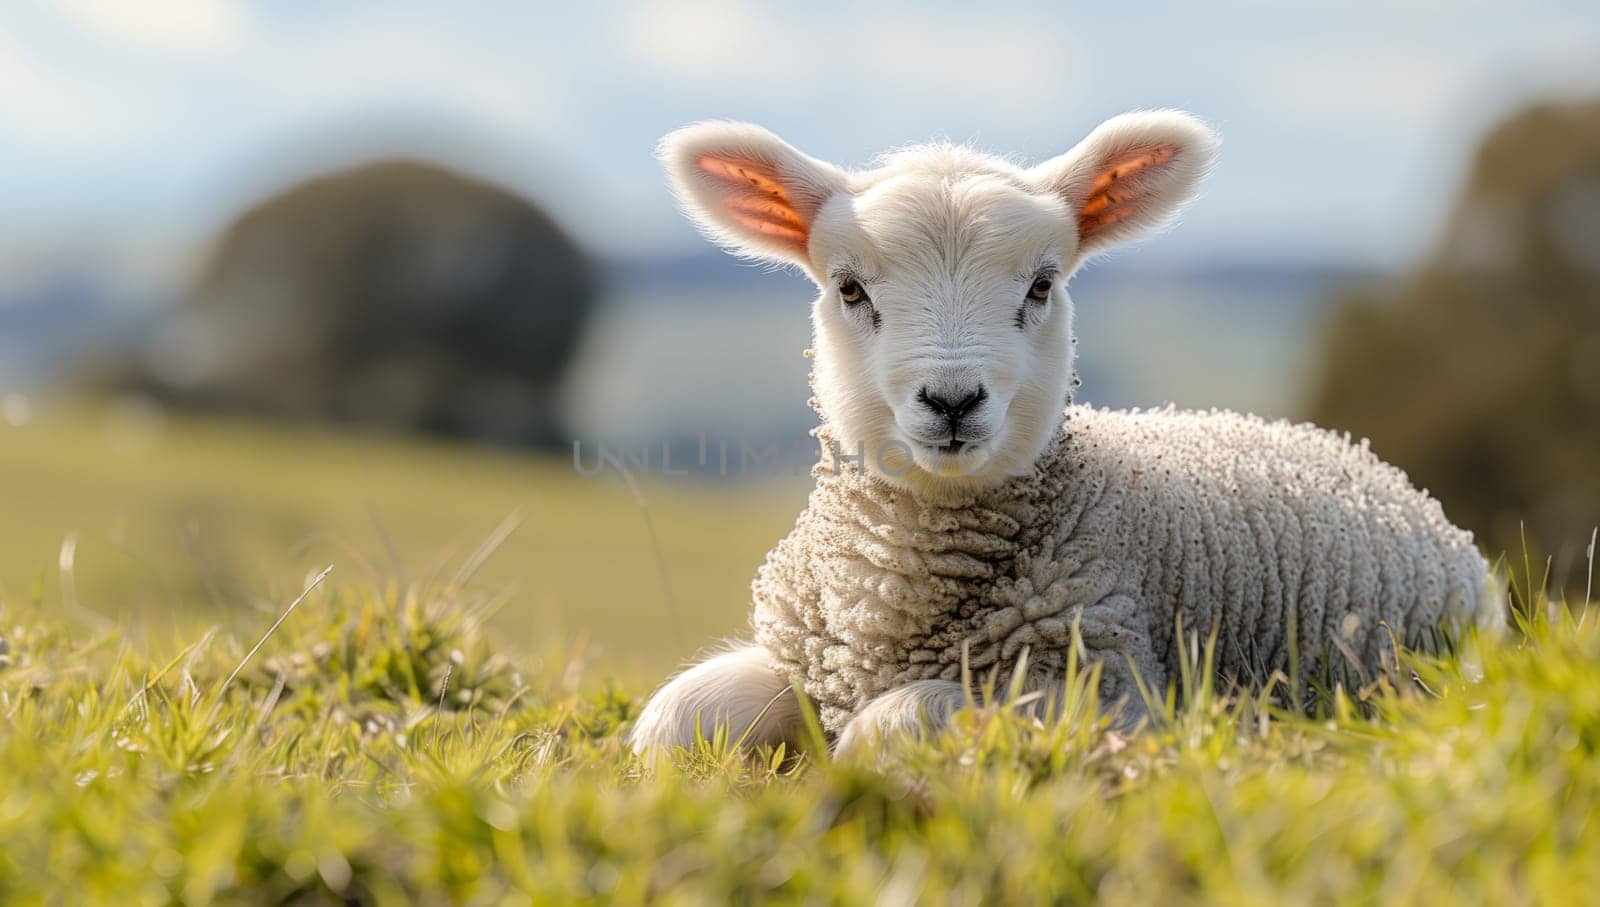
[953,447]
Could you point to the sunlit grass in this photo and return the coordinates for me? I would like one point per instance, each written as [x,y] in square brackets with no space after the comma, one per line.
[380,747]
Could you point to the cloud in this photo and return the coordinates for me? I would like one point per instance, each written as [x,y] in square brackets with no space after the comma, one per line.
[408,62]
[167,26]
[77,77]
[40,103]
[33,101]
[899,58]
[709,40]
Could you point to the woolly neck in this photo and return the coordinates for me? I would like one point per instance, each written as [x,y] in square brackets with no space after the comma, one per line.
[878,585]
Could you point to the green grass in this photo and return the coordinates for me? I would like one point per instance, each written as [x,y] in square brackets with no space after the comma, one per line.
[392,742]
[175,517]
[378,748]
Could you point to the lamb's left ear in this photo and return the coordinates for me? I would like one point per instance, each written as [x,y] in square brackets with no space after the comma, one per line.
[1131,175]
[749,190]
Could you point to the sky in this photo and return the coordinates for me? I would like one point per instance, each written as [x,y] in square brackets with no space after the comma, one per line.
[132,130]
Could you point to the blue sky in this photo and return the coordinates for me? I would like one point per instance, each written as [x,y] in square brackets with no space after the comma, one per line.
[133,128]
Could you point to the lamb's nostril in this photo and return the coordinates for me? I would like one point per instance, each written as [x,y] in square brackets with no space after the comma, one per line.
[951,406]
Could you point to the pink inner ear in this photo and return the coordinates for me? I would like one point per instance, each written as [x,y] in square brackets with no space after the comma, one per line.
[1117,193]
[755,196]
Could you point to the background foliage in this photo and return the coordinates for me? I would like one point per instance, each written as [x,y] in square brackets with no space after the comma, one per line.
[1479,372]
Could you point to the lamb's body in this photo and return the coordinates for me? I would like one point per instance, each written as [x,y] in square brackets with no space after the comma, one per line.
[979,525]
[1129,521]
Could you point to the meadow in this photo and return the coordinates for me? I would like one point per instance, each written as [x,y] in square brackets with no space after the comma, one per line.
[123,514]
[192,711]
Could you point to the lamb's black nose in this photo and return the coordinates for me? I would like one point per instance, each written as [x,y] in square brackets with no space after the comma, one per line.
[951,406]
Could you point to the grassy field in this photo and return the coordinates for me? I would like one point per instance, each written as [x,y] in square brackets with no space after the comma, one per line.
[171,518]
[392,742]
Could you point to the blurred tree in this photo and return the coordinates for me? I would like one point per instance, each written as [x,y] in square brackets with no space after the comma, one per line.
[1480,372]
[398,294]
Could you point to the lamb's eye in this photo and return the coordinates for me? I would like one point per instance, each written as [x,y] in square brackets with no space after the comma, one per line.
[1040,291]
[851,291]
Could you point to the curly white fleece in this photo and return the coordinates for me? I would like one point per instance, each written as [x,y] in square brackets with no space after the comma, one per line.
[1129,520]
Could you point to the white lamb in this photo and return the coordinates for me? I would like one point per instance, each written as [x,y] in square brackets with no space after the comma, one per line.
[960,518]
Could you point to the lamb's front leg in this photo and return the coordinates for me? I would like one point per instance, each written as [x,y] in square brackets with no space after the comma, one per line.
[736,689]
[921,706]
[1116,633]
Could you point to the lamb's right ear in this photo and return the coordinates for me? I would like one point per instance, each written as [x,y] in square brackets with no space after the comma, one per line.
[747,189]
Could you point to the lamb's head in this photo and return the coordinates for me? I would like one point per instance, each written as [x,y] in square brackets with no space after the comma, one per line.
[944,350]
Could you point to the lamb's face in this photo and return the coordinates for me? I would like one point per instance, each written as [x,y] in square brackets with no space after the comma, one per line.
[943,329]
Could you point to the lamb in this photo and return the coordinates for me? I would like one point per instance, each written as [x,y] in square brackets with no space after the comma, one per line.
[960,522]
